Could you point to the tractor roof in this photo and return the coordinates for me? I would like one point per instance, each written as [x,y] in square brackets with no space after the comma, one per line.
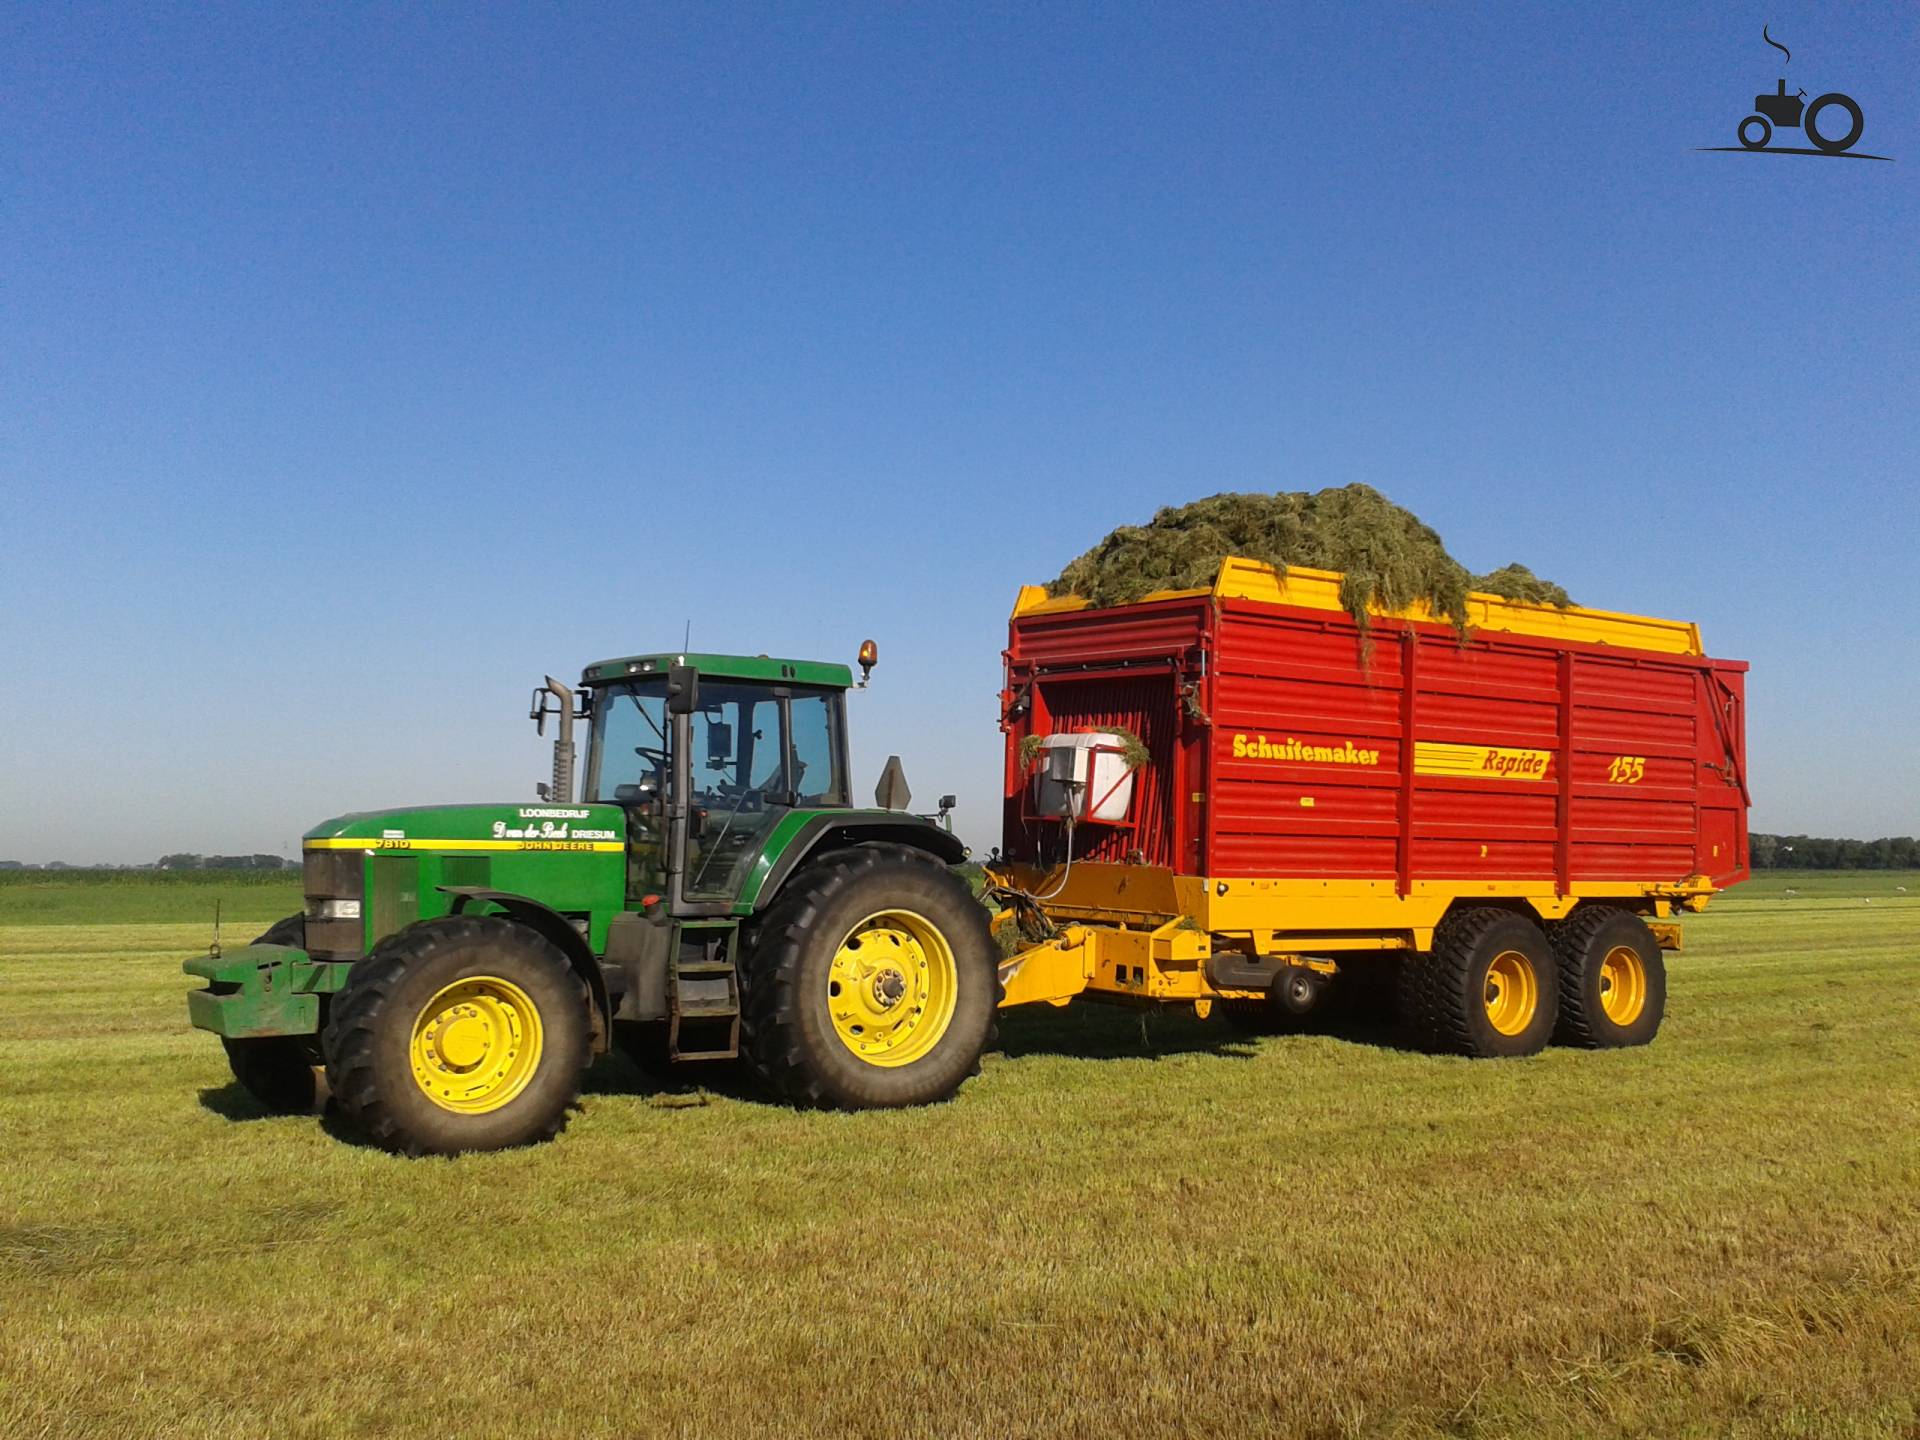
[721,667]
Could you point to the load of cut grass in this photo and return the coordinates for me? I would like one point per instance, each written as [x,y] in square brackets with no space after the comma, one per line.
[1389,558]
[1517,582]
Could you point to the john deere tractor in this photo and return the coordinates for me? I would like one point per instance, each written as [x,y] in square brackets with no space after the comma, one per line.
[713,894]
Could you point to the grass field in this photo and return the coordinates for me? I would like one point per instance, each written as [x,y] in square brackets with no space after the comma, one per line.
[1116,1230]
[245,898]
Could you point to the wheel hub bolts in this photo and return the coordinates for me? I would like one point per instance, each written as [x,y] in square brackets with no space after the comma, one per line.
[888,986]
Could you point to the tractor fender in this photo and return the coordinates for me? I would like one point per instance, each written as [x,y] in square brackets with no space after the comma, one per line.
[825,833]
[550,923]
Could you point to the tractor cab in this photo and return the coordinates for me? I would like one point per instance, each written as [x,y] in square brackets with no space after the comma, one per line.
[706,754]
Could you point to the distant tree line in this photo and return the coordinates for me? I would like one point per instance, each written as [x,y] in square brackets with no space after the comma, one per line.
[168,862]
[223,862]
[1817,852]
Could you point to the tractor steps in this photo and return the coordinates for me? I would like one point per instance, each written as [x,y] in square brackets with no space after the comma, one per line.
[703,998]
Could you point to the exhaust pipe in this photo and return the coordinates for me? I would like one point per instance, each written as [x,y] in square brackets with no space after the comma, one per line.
[561,791]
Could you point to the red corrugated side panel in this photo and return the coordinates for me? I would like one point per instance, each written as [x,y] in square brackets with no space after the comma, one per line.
[1286,685]
[1284,748]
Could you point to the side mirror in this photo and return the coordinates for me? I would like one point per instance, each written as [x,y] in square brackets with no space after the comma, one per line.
[543,705]
[683,690]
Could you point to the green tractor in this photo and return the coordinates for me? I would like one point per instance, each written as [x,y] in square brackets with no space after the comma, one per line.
[712,894]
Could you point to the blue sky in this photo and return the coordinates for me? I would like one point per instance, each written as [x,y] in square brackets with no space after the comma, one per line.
[360,364]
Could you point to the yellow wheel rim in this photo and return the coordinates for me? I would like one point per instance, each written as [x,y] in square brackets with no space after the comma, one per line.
[476,1044]
[1513,992]
[1623,985]
[892,987]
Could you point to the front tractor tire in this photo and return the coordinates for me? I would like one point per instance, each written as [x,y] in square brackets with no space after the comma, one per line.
[872,982]
[468,1032]
[284,1073]
[1613,979]
[1489,989]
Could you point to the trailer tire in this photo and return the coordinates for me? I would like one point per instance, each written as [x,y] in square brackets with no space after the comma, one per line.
[817,1022]
[466,1032]
[1305,1006]
[1489,990]
[283,1072]
[1613,979]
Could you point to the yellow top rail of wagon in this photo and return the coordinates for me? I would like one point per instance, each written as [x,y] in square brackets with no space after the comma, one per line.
[1310,589]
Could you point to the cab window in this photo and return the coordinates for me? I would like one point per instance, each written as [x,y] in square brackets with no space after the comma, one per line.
[816,749]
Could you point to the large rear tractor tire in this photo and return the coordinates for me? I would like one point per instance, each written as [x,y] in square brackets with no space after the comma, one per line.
[872,982]
[283,1072]
[1613,979]
[1489,989]
[468,1032]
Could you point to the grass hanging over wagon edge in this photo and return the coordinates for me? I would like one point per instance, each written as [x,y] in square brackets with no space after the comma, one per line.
[1388,556]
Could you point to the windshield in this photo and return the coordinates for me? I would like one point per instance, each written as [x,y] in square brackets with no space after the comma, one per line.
[755,751]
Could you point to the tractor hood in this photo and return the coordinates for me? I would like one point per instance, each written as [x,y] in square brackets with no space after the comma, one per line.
[506,826]
[370,874]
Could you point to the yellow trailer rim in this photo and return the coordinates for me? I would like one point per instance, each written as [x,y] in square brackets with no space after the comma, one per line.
[1513,992]
[476,1044]
[892,987]
[1623,985]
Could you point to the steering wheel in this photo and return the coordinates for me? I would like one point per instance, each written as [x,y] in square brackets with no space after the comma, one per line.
[657,757]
